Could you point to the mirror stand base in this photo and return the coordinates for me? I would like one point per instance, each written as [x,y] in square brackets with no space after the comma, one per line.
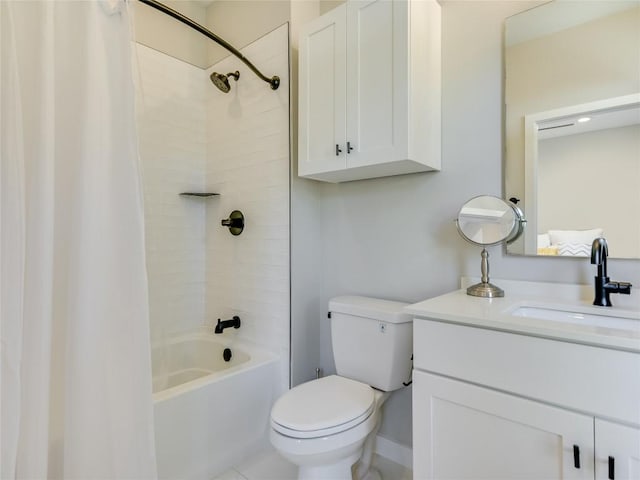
[485,289]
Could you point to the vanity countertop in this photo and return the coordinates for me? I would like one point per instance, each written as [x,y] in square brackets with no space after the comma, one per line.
[622,332]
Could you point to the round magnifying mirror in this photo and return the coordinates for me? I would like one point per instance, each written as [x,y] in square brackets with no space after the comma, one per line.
[486,221]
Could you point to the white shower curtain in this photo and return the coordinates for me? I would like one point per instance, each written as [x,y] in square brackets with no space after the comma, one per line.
[76,374]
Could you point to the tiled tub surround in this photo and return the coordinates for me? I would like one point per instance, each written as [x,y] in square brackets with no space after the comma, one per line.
[172,130]
[248,164]
[195,138]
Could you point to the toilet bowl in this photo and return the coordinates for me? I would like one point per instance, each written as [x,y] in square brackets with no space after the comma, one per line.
[322,426]
[327,426]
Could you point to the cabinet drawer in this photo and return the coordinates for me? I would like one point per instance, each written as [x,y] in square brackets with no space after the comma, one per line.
[600,381]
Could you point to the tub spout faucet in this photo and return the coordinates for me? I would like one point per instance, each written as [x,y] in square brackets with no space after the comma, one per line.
[222,324]
[603,286]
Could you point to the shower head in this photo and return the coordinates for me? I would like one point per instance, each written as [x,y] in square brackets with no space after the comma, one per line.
[222,81]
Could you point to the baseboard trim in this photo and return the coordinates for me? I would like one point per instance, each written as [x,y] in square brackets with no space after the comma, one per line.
[394,451]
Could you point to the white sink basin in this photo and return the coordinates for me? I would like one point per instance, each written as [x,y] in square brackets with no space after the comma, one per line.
[620,320]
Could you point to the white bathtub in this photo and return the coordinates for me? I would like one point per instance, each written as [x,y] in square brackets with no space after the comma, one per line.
[209,414]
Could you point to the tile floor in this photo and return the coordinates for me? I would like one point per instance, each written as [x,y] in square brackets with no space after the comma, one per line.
[269,465]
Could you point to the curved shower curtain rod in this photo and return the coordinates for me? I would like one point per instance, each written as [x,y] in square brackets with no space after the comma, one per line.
[273,81]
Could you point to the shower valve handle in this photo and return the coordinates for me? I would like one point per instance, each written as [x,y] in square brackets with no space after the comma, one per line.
[235,222]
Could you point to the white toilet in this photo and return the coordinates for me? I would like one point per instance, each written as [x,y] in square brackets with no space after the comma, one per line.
[326,425]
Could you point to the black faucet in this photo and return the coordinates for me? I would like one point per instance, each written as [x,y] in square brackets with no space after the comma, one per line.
[604,287]
[222,324]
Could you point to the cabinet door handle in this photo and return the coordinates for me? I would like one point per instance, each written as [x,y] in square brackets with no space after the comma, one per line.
[612,468]
[338,151]
[576,456]
[349,147]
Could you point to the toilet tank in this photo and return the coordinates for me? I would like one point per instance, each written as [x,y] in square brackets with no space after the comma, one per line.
[372,341]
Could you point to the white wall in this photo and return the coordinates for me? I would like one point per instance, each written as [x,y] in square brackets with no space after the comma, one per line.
[326,5]
[165,34]
[172,131]
[608,164]
[242,22]
[248,164]
[306,232]
[395,237]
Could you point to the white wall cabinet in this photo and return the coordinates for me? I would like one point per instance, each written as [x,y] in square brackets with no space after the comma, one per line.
[498,405]
[369,91]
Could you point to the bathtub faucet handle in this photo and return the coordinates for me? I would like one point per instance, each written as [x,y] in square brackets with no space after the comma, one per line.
[222,324]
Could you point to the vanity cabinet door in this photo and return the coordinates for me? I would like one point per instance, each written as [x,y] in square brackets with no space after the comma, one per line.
[464,431]
[617,451]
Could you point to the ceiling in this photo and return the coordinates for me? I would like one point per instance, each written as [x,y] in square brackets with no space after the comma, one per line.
[599,120]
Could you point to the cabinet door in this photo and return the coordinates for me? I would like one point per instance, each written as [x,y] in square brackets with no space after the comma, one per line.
[377,88]
[322,80]
[462,431]
[617,451]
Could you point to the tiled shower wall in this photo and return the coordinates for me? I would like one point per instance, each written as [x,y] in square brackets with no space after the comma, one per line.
[172,143]
[248,164]
[195,138]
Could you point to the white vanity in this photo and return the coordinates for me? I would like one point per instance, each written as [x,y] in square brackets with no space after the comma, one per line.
[537,385]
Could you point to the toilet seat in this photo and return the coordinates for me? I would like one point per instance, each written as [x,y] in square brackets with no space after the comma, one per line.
[322,407]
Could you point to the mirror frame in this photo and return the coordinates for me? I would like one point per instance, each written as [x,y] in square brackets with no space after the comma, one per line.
[531,123]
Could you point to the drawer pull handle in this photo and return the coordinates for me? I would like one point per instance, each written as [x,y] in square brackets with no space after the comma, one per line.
[576,456]
[349,147]
[612,468]
[338,150]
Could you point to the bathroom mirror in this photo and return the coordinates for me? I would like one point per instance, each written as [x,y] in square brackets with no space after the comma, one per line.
[487,221]
[572,126]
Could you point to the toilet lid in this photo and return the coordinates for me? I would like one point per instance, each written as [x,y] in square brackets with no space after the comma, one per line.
[322,407]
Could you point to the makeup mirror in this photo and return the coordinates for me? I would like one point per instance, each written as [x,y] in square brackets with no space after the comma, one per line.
[485,221]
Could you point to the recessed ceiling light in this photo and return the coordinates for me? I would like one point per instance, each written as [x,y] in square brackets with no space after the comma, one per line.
[584,119]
